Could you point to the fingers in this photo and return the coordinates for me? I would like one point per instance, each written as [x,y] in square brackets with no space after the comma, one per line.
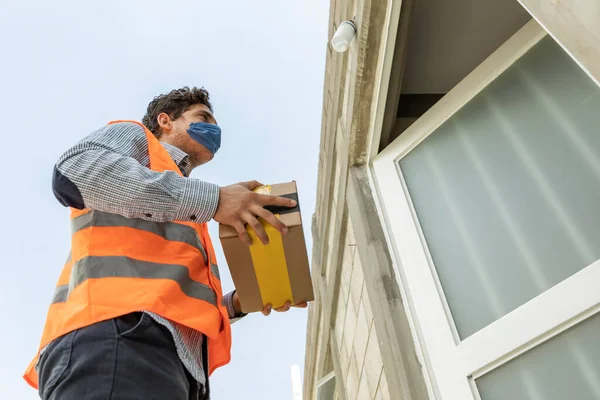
[271,219]
[257,227]
[269,200]
[241,230]
[250,209]
[267,310]
[239,206]
[286,307]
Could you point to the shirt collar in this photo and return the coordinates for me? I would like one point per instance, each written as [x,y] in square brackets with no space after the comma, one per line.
[181,158]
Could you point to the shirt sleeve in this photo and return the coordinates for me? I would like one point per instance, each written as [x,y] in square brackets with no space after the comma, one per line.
[107,171]
[228,302]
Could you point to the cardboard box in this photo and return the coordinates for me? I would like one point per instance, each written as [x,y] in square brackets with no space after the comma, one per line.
[273,273]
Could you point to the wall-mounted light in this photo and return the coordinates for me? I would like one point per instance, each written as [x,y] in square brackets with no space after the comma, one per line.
[343,36]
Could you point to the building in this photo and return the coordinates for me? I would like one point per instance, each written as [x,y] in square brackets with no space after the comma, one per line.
[456,236]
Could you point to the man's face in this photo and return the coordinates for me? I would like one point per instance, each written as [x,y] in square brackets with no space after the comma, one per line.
[175,133]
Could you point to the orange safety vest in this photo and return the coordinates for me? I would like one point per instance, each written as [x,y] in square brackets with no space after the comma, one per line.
[121,265]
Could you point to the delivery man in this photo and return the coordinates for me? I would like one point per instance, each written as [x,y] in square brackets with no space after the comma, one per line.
[138,311]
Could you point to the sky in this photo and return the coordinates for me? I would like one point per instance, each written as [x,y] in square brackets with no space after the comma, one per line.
[69,67]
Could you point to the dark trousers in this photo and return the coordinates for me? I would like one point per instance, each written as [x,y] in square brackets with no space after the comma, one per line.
[126,358]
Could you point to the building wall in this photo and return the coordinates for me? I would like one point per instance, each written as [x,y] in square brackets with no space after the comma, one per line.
[354,331]
[362,345]
[342,336]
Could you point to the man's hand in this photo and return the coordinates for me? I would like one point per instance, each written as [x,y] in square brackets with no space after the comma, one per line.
[239,205]
[267,310]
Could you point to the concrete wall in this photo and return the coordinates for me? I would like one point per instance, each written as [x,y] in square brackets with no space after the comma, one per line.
[355,334]
[344,332]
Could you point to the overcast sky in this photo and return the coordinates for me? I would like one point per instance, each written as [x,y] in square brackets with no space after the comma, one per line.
[69,67]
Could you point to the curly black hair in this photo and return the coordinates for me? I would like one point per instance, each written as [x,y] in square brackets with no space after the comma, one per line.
[174,103]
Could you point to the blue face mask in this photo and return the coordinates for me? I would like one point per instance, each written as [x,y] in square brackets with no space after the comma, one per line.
[208,135]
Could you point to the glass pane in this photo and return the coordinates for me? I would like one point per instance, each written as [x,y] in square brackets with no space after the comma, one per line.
[327,390]
[507,191]
[565,367]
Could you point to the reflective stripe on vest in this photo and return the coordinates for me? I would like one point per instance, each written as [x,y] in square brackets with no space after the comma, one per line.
[60,294]
[125,267]
[171,231]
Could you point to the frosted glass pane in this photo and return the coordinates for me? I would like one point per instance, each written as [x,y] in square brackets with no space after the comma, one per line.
[565,367]
[507,191]
[327,390]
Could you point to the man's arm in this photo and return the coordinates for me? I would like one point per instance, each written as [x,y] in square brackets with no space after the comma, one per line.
[107,171]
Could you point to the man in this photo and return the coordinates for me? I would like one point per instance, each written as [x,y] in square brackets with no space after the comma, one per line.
[138,312]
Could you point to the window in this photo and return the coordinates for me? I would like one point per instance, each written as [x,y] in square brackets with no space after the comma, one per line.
[491,205]
[564,367]
[326,388]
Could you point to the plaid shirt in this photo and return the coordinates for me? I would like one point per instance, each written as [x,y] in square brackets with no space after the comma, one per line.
[109,171]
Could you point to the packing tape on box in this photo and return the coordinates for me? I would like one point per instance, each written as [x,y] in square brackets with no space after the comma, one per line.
[269,262]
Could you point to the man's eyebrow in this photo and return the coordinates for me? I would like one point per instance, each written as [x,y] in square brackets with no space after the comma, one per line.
[207,114]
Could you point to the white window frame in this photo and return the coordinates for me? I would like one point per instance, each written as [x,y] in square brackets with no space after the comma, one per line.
[451,365]
[326,379]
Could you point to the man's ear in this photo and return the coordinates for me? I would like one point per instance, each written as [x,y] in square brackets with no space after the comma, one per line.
[165,123]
